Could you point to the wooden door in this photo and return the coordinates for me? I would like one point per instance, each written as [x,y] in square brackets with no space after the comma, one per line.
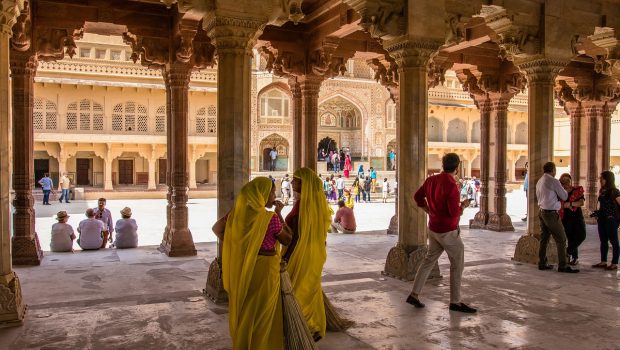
[125,172]
[163,166]
[41,167]
[82,169]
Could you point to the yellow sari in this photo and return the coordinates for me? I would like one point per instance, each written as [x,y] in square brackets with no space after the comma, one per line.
[251,280]
[306,263]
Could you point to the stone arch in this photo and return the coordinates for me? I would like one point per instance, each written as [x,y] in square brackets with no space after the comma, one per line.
[520,168]
[84,115]
[274,103]
[342,119]
[435,130]
[521,134]
[282,146]
[457,130]
[475,132]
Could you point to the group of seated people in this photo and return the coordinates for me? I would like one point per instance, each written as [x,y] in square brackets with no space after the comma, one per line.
[95,231]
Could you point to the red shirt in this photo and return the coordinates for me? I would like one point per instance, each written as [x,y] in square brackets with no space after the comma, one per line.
[441,195]
[346,218]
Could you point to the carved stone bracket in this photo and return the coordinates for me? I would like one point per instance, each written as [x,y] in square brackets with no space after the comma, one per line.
[541,70]
[381,18]
[412,52]
[9,12]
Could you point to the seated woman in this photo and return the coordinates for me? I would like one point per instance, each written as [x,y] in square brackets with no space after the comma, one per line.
[251,266]
[126,231]
[62,234]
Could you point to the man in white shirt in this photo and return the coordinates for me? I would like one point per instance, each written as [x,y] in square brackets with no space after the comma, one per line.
[285,185]
[273,154]
[62,234]
[65,184]
[340,186]
[549,192]
[90,231]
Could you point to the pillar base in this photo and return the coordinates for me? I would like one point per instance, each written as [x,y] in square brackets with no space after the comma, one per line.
[479,221]
[214,289]
[178,243]
[499,223]
[403,263]
[527,248]
[393,228]
[27,250]
[12,307]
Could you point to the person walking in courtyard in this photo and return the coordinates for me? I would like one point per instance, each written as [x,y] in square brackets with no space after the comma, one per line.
[285,187]
[367,185]
[550,192]
[347,166]
[47,185]
[90,230]
[251,266]
[439,197]
[342,159]
[340,186]
[385,189]
[355,189]
[65,185]
[392,158]
[572,218]
[525,188]
[344,220]
[273,154]
[62,234]
[104,215]
[373,179]
[360,171]
[309,220]
[126,231]
[608,220]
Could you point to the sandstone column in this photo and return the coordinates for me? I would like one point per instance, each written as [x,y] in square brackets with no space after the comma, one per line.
[178,239]
[309,86]
[575,142]
[234,39]
[393,228]
[192,167]
[541,74]
[592,112]
[107,175]
[152,172]
[12,307]
[297,119]
[482,216]
[26,247]
[412,59]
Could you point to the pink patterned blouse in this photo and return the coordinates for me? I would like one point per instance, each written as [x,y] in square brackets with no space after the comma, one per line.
[275,226]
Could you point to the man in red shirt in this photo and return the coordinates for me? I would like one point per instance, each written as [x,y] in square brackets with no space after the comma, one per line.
[344,221]
[439,196]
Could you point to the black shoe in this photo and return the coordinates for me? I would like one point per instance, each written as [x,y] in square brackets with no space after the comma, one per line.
[415,302]
[67,202]
[574,261]
[567,269]
[545,267]
[524,219]
[460,307]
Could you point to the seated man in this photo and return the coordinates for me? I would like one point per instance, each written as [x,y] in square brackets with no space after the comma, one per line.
[90,231]
[62,234]
[344,221]
[126,231]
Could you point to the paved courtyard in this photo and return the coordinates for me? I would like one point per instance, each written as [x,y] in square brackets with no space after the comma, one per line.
[141,299]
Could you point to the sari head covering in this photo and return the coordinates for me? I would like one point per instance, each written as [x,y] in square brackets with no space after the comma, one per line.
[306,263]
[245,231]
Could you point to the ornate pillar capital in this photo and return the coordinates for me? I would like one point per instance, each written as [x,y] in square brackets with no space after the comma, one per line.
[233,34]
[9,11]
[542,70]
[411,52]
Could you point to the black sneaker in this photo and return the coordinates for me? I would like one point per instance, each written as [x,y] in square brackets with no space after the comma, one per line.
[460,307]
[415,302]
[545,267]
[567,269]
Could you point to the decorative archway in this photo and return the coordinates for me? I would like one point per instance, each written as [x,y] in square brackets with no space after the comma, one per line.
[457,131]
[340,120]
[282,147]
[435,130]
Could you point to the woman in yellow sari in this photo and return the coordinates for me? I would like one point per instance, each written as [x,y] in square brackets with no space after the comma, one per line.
[251,266]
[309,220]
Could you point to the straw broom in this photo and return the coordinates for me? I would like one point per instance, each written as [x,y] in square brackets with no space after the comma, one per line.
[296,333]
[335,323]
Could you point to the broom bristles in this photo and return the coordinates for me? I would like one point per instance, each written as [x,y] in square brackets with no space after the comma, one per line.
[335,323]
[296,333]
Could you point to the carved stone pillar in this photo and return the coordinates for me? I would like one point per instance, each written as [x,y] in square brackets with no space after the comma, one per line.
[498,219]
[412,58]
[152,172]
[592,115]
[12,307]
[234,44]
[482,216]
[107,175]
[541,74]
[192,168]
[26,247]
[178,240]
[393,228]
[576,120]
[297,120]
[309,86]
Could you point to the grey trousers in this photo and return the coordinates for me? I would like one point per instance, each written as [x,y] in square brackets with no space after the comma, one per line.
[551,225]
[452,243]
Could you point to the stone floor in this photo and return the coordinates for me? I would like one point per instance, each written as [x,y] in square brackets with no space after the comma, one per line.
[141,299]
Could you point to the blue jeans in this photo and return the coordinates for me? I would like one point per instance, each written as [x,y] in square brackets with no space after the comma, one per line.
[340,193]
[64,195]
[608,232]
[46,196]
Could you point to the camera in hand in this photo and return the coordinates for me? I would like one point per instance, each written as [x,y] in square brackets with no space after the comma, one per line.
[595,214]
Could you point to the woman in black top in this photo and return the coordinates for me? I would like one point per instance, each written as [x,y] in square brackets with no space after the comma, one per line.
[608,218]
[572,217]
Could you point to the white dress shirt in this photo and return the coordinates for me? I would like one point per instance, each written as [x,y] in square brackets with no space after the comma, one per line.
[549,192]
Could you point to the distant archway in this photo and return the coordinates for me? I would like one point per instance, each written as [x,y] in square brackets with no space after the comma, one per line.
[457,131]
[282,147]
[475,132]
[435,130]
[521,134]
[340,119]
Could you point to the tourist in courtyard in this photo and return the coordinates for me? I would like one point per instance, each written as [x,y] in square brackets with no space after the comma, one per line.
[328,161]
[126,231]
[334,196]
[65,185]
[273,154]
[340,186]
[327,188]
[439,197]
[608,219]
[336,162]
[355,189]
[373,179]
[525,187]
[285,187]
[90,230]
[46,185]
[309,221]
[392,160]
[367,185]
[572,218]
[104,215]
[385,189]
[360,171]
[251,266]
[62,234]
[344,220]
[549,192]
[347,166]
[348,199]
